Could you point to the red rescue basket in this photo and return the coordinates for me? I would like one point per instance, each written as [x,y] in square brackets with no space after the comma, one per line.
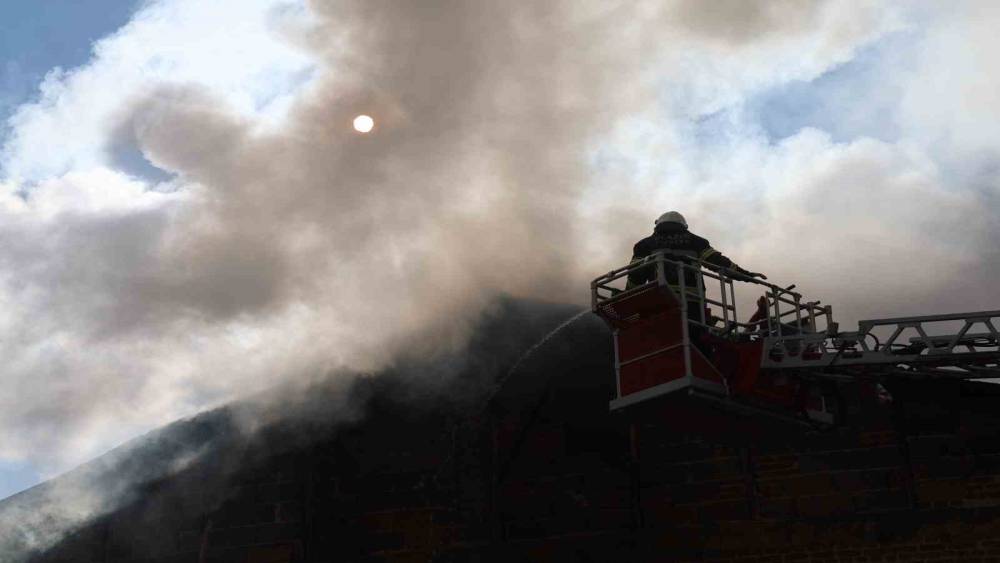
[668,342]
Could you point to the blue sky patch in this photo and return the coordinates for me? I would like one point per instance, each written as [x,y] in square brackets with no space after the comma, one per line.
[856,99]
[16,477]
[35,37]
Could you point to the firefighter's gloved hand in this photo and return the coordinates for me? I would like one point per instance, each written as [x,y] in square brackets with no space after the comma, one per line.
[746,275]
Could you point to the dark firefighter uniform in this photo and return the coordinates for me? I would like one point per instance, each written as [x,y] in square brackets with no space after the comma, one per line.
[677,240]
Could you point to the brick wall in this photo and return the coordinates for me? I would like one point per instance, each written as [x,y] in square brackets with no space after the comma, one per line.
[546,473]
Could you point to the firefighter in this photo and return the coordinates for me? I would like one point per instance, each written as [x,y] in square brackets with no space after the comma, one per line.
[671,235]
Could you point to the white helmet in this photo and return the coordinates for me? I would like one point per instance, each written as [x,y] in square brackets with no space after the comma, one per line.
[672,217]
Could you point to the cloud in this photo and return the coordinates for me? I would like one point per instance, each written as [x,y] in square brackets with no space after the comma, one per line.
[248,64]
[860,223]
[952,99]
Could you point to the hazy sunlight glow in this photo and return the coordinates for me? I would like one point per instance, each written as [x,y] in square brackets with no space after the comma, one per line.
[363,123]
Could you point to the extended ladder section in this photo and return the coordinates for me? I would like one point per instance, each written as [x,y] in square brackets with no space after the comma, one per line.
[960,345]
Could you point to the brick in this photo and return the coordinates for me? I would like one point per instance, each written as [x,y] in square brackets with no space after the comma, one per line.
[262,493]
[776,463]
[254,535]
[824,505]
[721,468]
[797,486]
[244,515]
[942,490]
[813,462]
[290,491]
[289,512]
[945,467]
[686,453]
[877,437]
[610,498]
[863,480]
[694,492]
[528,529]
[724,510]
[665,474]
[881,501]
[656,512]
[383,541]
[777,508]
[934,445]
[607,519]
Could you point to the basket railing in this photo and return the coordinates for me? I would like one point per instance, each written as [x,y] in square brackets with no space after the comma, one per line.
[695,283]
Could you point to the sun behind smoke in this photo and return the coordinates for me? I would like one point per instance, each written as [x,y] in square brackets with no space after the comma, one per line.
[363,123]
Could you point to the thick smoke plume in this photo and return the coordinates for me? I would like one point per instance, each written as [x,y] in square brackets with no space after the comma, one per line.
[290,250]
[519,149]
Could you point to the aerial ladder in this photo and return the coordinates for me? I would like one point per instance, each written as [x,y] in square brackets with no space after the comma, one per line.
[787,360]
